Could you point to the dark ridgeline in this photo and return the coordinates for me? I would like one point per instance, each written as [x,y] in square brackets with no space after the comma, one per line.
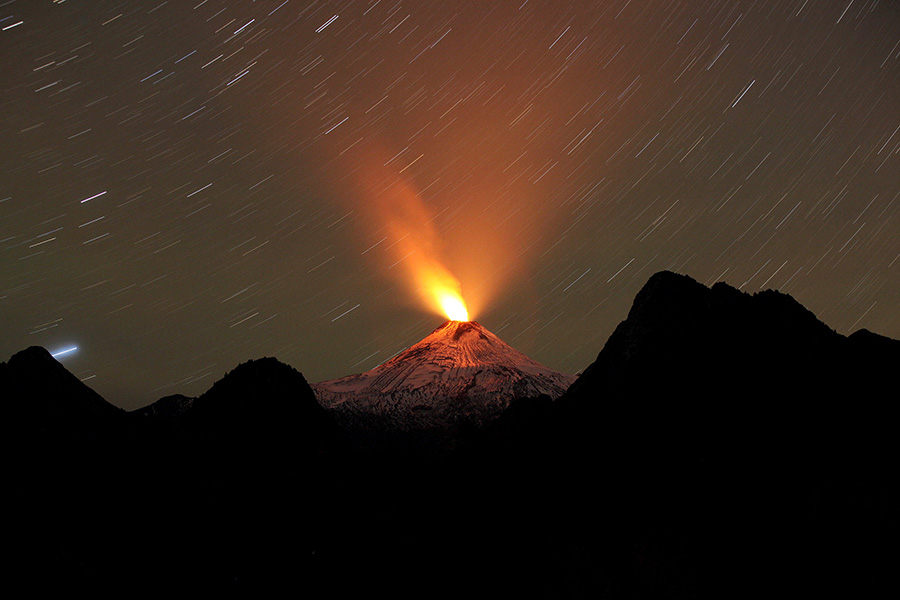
[210,492]
[720,443]
[726,442]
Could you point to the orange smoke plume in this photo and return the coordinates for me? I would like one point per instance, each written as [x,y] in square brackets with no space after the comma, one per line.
[416,250]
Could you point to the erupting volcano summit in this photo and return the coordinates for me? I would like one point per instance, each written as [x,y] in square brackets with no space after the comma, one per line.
[460,373]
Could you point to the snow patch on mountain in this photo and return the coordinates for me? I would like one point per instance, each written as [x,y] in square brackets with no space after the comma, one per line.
[459,374]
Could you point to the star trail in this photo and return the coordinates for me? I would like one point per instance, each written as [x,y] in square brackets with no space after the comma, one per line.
[188,185]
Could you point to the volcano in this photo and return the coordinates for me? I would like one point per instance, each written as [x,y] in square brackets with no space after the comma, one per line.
[459,375]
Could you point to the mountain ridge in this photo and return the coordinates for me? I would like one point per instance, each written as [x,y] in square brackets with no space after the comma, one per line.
[677,325]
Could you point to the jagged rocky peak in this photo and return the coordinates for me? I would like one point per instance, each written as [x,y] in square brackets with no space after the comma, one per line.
[668,295]
[722,338]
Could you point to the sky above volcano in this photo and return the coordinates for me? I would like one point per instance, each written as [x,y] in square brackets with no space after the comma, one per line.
[189,185]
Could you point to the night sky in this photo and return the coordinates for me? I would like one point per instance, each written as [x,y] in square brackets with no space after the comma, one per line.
[187,185]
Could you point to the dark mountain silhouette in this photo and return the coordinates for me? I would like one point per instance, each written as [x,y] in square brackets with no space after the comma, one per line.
[240,467]
[260,403]
[51,418]
[38,388]
[217,491]
[722,443]
[739,442]
[680,329]
[752,364]
[56,440]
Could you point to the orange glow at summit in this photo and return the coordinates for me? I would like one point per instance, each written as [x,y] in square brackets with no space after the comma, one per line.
[453,305]
[438,288]
[417,253]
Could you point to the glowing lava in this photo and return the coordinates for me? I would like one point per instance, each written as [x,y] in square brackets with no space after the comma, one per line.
[438,288]
[453,305]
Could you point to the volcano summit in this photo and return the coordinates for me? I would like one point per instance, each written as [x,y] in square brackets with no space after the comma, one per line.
[461,374]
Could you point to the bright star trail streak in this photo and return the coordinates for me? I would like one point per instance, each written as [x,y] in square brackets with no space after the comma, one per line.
[59,353]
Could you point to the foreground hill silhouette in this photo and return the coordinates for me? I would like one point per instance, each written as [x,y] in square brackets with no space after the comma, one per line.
[721,443]
[747,442]
[208,491]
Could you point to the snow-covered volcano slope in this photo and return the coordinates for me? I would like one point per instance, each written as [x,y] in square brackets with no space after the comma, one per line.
[459,374]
